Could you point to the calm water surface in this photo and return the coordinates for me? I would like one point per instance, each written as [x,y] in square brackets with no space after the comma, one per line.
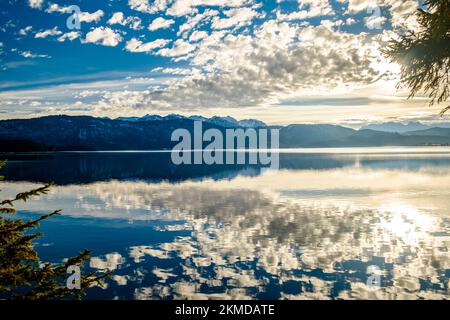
[308,231]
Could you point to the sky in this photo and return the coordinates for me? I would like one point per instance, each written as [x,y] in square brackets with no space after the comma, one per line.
[283,61]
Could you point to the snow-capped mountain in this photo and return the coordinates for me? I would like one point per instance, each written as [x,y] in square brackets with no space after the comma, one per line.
[220,121]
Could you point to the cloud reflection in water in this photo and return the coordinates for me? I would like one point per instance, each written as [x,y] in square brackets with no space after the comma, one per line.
[293,234]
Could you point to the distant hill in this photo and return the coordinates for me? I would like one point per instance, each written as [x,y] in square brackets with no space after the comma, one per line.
[444,132]
[310,135]
[84,133]
[403,127]
[296,136]
[88,133]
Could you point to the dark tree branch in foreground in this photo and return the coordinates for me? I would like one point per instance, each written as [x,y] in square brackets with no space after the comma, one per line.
[22,274]
[424,54]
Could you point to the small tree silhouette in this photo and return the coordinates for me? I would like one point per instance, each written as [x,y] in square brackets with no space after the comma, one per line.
[22,274]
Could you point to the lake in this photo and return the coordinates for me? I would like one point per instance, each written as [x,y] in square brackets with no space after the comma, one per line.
[369,223]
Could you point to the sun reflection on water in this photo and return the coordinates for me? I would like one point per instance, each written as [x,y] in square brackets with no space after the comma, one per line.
[407,223]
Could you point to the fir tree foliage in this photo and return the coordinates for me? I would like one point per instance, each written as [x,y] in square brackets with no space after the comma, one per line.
[424,53]
[22,274]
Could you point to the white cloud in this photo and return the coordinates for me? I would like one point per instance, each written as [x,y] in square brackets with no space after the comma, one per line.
[104,36]
[360,5]
[181,8]
[350,21]
[35,4]
[310,9]
[160,23]
[373,22]
[198,35]
[47,33]
[28,54]
[282,58]
[174,71]
[179,48]
[235,18]
[91,17]
[145,6]
[197,19]
[111,262]
[278,61]
[204,53]
[329,24]
[187,7]
[402,12]
[135,45]
[54,7]
[132,22]
[69,36]
[83,16]
[24,31]
[117,18]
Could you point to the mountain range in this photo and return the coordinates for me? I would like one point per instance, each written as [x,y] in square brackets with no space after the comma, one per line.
[227,121]
[404,127]
[84,133]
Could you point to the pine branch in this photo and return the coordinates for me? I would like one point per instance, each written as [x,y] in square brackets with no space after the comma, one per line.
[24,196]
[443,111]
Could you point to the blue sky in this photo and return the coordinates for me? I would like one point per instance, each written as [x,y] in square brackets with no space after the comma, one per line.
[280,61]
